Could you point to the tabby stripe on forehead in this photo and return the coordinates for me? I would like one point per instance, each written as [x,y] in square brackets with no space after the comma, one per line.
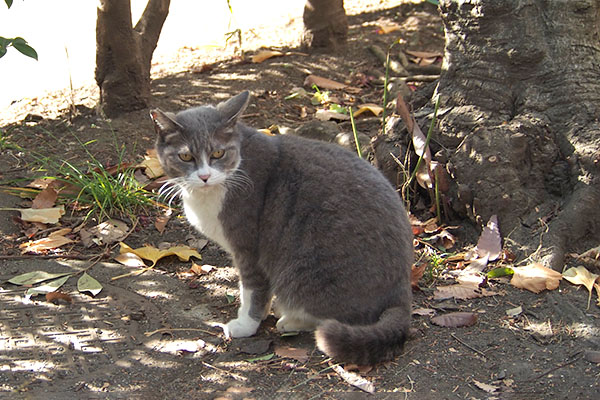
[169,137]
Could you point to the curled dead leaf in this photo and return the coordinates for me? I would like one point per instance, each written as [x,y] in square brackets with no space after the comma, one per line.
[490,242]
[581,276]
[461,292]
[292,352]
[263,55]
[56,297]
[455,319]
[535,278]
[323,83]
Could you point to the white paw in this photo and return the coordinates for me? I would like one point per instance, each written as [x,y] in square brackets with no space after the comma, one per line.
[241,327]
[291,324]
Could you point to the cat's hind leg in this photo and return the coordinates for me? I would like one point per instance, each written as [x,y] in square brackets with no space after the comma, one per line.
[294,320]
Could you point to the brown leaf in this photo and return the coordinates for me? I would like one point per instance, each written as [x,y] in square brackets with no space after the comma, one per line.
[389,27]
[130,260]
[485,387]
[53,241]
[535,278]
[43,215]
[416,274]
[292,352]
[422,54]
[455,319]
[461,292]
[55,297]
[161,222]
[201,269]
[592,356]
[424,312]
[581,276]
[46,198]
[419,140]
[490,243]
[263,55]
[323,83]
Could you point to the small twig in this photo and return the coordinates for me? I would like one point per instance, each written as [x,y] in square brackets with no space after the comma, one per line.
[50,256]
[481,353]
[577,356]
[161,330]
[420,78]
[233,375]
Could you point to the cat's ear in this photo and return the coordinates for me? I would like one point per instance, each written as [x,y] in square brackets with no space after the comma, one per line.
[234,107]
[164,122]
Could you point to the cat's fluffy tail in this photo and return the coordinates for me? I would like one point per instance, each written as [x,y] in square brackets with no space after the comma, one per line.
[365,344]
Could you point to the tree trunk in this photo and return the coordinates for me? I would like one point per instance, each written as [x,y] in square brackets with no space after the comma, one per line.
[325,24]
[124,53]
[521,90]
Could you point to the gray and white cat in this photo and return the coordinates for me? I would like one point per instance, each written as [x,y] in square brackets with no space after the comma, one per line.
[305,221]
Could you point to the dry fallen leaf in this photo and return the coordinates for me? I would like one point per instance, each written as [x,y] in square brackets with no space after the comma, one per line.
[416,274]
[46,198]
[56,297]
[424,312]
[373,108]
[485,387]
[490,243]
[535,278]
[201,269]
[292,352]
[323,83]
[461,292]
[419,140]
[263,55]
[151,164]
[107,232]
[592,356]
[581,276]
[161,222]
[53,241]
[386,28]
[326,115]
[43,215]
[130,260]
[153,254]
[455,319]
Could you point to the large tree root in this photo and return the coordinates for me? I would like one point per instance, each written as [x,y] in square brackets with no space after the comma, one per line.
[577,219]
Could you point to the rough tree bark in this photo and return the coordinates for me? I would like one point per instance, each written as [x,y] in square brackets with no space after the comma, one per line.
[325,24]
[521,81]
[124,53]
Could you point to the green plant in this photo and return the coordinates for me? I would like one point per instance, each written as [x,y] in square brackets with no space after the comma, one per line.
[435,266]
[104,192]
[18,43]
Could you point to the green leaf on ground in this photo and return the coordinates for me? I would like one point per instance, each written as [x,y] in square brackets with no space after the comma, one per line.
[88,284]
[31,278]
[500,272]
[266,357]
[47,287]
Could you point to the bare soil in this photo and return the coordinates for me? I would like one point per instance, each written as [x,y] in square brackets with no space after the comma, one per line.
[541,353]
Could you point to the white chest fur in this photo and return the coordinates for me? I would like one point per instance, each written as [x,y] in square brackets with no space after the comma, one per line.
[202,208]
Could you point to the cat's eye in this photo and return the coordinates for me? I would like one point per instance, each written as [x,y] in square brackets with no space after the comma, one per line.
[217,154]
[185,157]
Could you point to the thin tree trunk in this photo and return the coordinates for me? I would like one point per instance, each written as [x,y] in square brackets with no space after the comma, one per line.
[124,53]
[325,24]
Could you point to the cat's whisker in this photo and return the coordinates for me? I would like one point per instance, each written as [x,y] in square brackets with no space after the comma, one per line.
[239,180]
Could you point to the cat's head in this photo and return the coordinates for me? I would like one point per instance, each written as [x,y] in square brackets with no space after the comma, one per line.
[200,146]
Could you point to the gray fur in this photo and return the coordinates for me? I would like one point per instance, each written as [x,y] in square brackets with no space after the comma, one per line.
[308,222]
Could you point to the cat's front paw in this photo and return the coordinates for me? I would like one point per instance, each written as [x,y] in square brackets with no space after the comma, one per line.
[241,327]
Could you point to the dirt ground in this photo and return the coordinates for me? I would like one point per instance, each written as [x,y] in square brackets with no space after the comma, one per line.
[153,336]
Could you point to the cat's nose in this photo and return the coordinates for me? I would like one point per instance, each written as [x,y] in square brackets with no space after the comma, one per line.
[204,177]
